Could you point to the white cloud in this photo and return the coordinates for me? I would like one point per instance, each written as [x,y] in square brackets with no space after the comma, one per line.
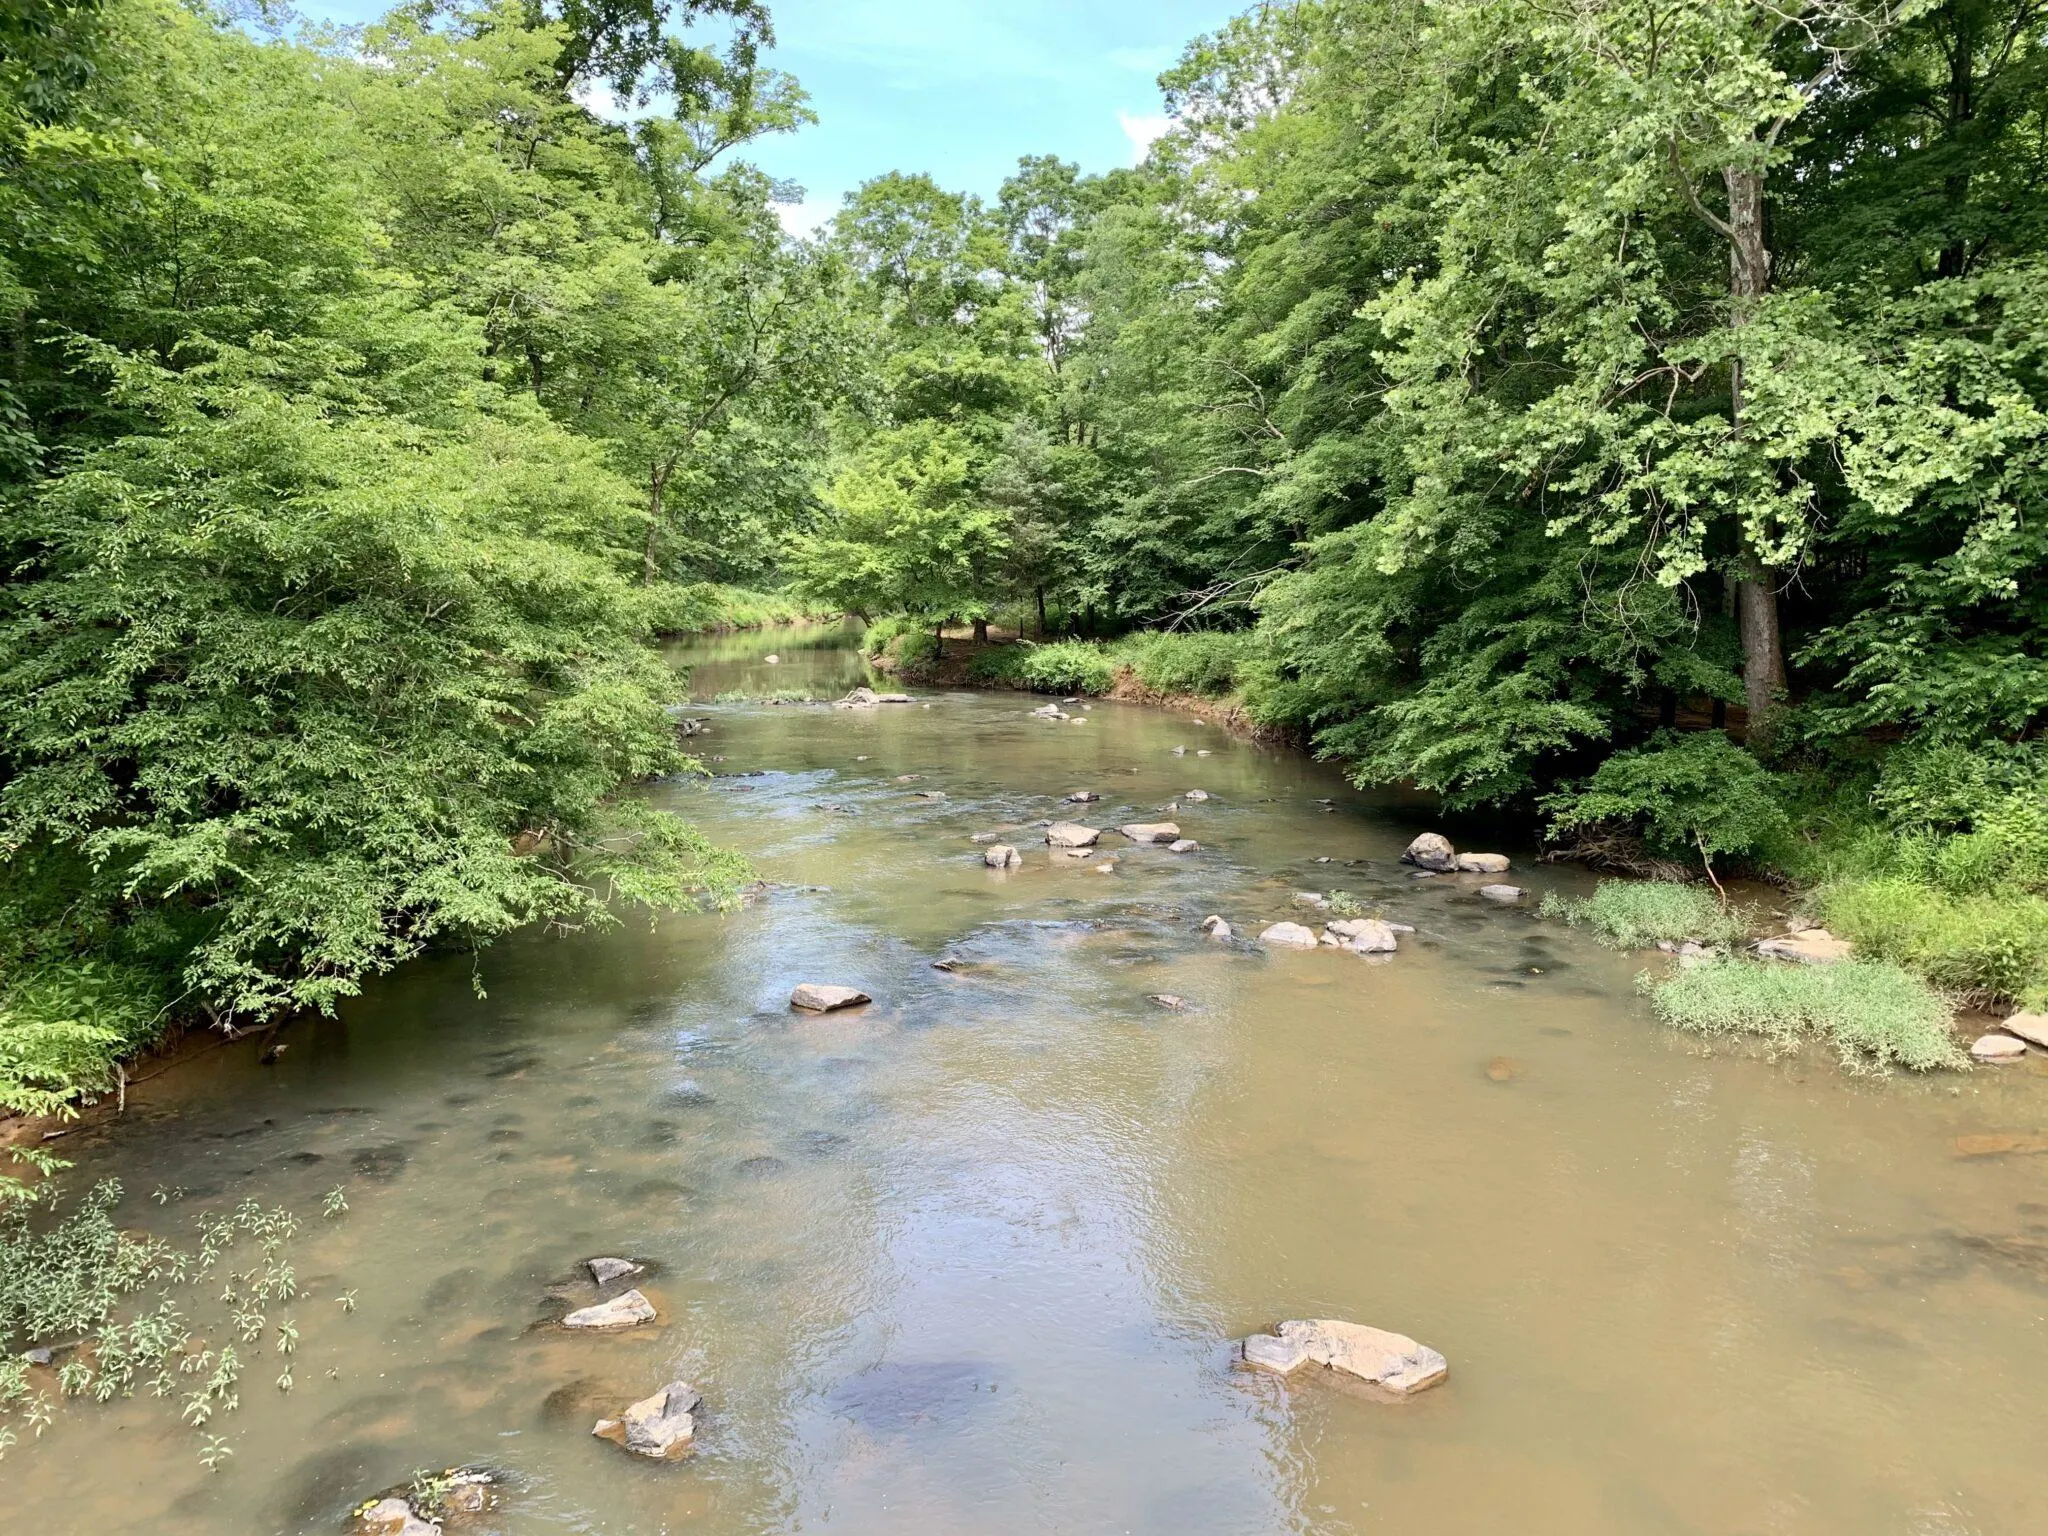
[1142,129]
[805,218]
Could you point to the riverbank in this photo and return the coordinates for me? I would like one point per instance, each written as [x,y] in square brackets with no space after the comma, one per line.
[675,610]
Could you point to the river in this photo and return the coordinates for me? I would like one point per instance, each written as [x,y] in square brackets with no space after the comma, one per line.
[971,1260]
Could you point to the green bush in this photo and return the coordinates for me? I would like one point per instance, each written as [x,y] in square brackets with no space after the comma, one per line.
[1987,946]
[1632,914]
[62,1028]
[1691,796]
[1067,666]
[1182,662]
[998,665]
[704,607]
[1874,1013]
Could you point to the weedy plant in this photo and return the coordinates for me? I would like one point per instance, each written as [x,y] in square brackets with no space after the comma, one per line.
[1874,1013]
[1633,914]
[128,1310]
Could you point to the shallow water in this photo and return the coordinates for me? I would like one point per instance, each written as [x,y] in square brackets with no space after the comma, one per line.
[970,1260]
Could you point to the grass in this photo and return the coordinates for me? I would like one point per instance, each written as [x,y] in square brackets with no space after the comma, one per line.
[1986,946]
[1635,914]
[1874,1013]
[765,696]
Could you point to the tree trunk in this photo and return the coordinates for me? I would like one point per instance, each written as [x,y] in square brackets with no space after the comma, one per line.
[1749,276]
[649,570]
[1961,108]
[981,631]
[938,639]
[1041,610]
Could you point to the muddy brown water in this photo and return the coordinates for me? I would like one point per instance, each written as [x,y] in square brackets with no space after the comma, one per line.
[970,1260]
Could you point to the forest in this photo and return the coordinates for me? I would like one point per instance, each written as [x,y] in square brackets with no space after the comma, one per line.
[1634,419]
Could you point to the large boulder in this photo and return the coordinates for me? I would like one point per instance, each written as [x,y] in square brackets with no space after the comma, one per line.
[625,1311]
[1366,935]
[661,1426]
[1432,851]
[1288,936]
[1812,946]
[1002,856]
[1481,863]
[1392,1361]
[2030,1027]
[815,997]
[1151,831]
[1071,834]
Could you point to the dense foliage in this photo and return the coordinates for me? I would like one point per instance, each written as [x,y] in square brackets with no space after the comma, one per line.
[357,386]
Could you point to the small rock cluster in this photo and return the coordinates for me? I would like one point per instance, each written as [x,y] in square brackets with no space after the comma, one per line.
[2009,1042]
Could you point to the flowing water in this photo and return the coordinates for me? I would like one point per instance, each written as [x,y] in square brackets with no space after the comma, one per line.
[970,1260]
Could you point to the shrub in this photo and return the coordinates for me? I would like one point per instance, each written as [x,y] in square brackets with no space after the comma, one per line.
[703,607]
[1633,914]
[1182,662]
[62,1028]
[1874,1013]
[1986,946]
[1067,666]
[1691,796]
[999,664]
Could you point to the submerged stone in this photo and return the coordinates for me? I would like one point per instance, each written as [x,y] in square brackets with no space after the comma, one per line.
[1389,1360]
[625,1311]
[605,1271]
[1501,893]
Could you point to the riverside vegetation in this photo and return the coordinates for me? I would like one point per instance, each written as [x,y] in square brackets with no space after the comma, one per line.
[1636,418]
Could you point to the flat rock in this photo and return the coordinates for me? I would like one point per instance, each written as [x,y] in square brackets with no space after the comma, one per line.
[1314,899]
[1810,946]
[1002,856]
[1215,927]
[893,698]
[2001,1144]
[1288,936]
[394,1517]
[1171,1001]
[1083,797]
[1182,845]
[1432,851]
[814,997]
[1501,893]
[1995,1047]
[625,1311]
[1071,834]
[660,1426]
[605,1271]
[1197,796]
[2030,1027]
[1107,867]
[1151,831]
[1366,935]
[860,698]
[1481,863]
[1392,1361]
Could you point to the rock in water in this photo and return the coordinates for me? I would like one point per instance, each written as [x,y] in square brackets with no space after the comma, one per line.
[813,997]
[660,1426]
[861,698]
[772,659]
[605,1271]
[1431,851]
[1288,936]
[1481,863]
[1390,1360]
[2030,1027]
[1811,946]
[1999,1048]
[620,1312]
[1069,834]
[1182,845]
[1196,795]
[393,1517]
[1170,1001]
[1215,927]
[893,698]
[1002,856]
[1366,935]
[1083,797]
[1501,893]
[1151,831]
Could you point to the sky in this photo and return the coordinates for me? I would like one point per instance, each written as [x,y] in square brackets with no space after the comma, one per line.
[958,88]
